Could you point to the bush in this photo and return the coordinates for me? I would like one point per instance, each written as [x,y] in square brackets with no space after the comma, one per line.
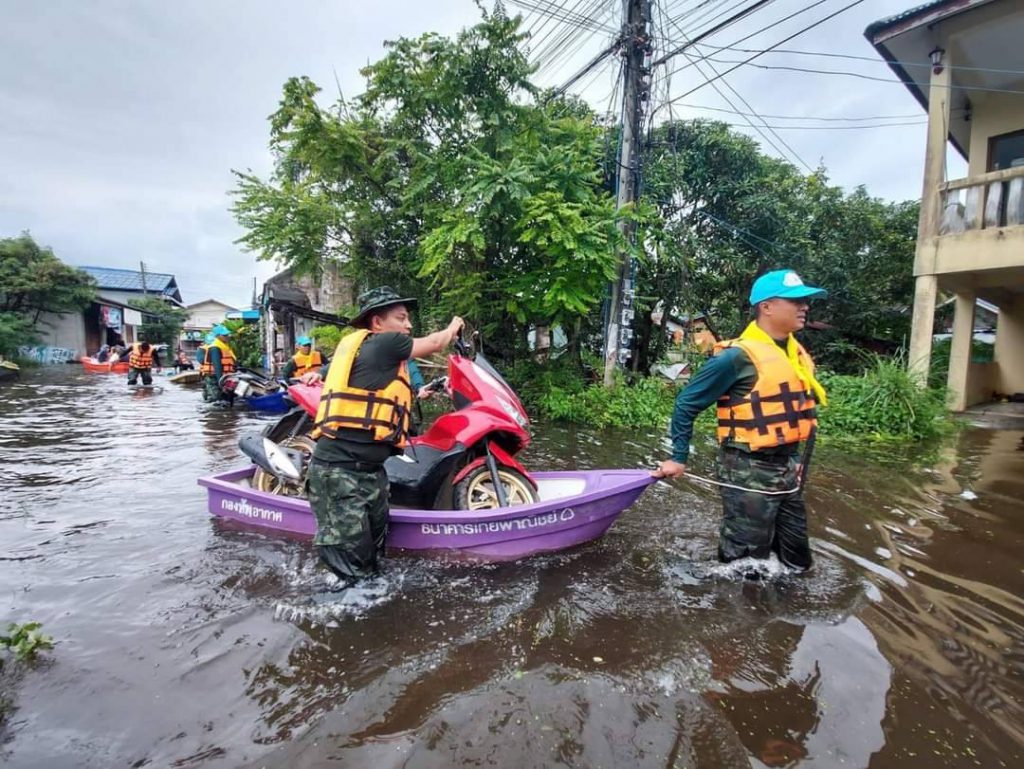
[883,403]
[247,342]
[26,640]
[327,337]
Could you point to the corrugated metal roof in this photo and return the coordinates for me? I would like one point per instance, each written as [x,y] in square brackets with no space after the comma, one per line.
[921,10]
[131,280]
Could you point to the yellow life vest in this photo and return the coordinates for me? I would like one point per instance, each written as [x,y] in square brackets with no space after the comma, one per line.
[139,359]
[385,413]
[227,359]
[306,363]
[780,409]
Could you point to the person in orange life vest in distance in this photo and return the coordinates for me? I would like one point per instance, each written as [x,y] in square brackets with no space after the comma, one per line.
[766,392]
[363,418]
[142,357]
[306,359]
[218,360]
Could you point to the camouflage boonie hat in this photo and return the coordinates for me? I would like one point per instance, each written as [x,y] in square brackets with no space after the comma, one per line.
[375,299]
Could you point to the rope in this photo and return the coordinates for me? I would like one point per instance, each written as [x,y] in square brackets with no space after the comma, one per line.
[701,479]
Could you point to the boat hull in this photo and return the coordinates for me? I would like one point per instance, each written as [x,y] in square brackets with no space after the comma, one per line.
[584,504]
[272,402]
[104,368]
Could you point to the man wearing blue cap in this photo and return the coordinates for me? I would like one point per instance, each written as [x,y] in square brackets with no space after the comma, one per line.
[766,392]
[304,360]
[218,361]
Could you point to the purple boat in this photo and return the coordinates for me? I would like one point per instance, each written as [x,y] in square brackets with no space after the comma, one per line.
[574,507]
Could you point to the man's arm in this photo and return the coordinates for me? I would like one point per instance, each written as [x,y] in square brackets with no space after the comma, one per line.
[213,357]
[428,345]
[289,369]
[714,380]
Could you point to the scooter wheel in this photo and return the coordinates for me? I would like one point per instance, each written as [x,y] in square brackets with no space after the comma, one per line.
[476,490]
[271,484]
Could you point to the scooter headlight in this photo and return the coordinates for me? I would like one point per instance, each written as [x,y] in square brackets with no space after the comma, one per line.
[514,413]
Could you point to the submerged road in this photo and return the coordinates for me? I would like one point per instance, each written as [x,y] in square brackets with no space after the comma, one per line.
[182,642]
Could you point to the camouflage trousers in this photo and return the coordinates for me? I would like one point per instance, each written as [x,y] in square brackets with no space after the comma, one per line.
[351,509]
[212,391]
[755,525]
[133,376]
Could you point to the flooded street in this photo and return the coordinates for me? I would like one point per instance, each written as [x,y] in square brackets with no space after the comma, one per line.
[183,642]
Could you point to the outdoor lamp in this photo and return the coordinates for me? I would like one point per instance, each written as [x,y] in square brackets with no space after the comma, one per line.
[936,55]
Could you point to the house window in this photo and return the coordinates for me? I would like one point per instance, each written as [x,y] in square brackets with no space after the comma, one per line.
[1006,151]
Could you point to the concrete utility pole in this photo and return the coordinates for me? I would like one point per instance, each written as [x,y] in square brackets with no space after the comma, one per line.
[636,46]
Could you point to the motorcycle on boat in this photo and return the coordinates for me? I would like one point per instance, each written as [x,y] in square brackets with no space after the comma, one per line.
[464,460]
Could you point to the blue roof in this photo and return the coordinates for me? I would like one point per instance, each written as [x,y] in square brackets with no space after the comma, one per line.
[131,280]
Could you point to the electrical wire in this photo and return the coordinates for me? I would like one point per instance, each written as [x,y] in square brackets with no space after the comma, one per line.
[764,116]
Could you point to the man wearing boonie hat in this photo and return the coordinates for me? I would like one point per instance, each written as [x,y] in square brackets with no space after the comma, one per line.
[766,392]
[363,418]
[304,360]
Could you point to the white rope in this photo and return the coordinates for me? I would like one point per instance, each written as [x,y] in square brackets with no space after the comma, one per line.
[701,479]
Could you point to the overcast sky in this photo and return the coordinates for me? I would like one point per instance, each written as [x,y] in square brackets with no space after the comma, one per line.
[120,122]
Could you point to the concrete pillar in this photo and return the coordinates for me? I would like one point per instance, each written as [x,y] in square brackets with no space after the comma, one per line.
[926,286]
[960,350]
[1009,351]
[919,357]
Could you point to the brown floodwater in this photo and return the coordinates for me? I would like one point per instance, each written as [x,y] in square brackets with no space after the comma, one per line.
[181,642]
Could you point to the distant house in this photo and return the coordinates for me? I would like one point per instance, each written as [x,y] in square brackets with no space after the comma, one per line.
[686,330]
[203,316]
[960,59]
[109,319]
[293,305]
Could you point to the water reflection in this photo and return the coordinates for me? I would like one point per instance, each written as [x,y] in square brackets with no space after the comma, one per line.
[187,642]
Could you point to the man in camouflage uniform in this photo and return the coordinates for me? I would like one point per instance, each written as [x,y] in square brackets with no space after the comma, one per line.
[756,522]
[347,485]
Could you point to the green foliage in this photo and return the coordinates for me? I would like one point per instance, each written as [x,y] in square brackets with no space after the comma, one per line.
[34,281]
[245,340]
[327,337]
[938,371]
[161,321]
[25,640]
[883,403]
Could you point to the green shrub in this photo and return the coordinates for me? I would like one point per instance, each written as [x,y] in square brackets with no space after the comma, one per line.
[883,403]
[327,337]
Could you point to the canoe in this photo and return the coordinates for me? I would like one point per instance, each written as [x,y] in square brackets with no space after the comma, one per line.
[8,370]
[575,507]
[91,364]
[186,377]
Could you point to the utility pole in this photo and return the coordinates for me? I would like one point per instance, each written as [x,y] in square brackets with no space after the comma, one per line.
[142,269]
[636,50]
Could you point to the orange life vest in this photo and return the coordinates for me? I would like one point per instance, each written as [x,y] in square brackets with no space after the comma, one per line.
[779,410]
[227,359]
[385,413]
[306,363]
[139,359]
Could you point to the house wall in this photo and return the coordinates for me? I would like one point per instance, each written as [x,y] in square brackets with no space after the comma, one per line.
[66,331]
[206,314]
[991,116]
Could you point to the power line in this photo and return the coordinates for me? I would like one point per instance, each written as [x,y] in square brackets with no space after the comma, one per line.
[784,40]
[804,117]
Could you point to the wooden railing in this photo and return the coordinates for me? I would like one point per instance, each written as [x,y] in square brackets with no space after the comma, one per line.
[981,202]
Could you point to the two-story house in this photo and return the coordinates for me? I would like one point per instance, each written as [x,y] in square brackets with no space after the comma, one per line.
[963,60]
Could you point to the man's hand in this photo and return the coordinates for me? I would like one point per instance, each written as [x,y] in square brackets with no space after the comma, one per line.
[669,469]
[424,393]
[454,327]
[311,378]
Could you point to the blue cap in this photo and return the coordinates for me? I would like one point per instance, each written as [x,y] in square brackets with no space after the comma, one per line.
[302,341]
[783,284]
[221,330]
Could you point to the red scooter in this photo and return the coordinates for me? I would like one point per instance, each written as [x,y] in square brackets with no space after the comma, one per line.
[465,460]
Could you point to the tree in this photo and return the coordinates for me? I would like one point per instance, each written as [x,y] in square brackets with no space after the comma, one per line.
[448,179]
[161,321]
[33,281]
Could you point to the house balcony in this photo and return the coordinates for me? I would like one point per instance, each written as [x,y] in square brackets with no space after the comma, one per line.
[981,230]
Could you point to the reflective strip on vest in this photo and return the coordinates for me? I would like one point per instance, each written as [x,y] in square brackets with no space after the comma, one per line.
[385,413]
[227,359]
[139,359]
[778,410]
